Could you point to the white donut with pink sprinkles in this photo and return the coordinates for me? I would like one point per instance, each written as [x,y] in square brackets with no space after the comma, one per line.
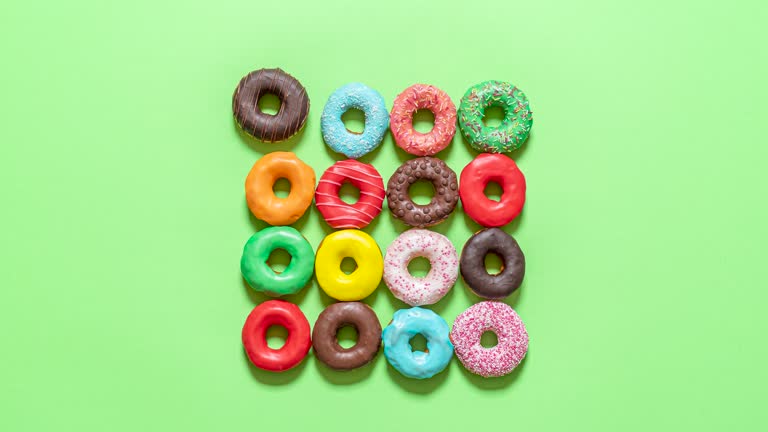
[500,319]
[442,258]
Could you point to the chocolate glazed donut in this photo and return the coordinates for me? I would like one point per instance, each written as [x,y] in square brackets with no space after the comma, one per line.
[294,105]
[472,264]
[446,192]
[336,316]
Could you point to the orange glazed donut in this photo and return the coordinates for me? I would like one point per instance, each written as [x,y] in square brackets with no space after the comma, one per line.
[263,202]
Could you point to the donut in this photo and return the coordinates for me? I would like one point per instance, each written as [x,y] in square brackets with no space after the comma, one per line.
[276,313]
[512,131]
[500,319]
[338,137]
[261,277]
[474,273]
[475,177]
[360,247]
[442,275]
[443,181]
[263,202]
[397,336]
[412,99]
[336,212]
[290,118]
[334,317]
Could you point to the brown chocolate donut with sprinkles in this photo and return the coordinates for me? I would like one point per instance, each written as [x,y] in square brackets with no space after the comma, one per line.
[444,182]
[336,212]
[290,118]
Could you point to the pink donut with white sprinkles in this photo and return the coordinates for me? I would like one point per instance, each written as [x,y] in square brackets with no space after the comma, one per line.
[442,275]
[500,319]
[412,99]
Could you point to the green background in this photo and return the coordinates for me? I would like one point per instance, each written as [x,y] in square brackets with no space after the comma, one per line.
[123,213]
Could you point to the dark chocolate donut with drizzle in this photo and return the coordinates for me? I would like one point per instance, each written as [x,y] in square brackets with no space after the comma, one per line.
[294,105]
[326,346]
[472,264]
[444,182]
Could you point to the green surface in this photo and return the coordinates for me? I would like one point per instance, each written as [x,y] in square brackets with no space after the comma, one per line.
[124,217]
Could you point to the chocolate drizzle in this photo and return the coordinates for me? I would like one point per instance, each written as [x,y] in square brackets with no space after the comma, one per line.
[294,105]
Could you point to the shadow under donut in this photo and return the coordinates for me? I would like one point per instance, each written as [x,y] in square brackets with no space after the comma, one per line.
[258,297]
[274,378]
[516,155]
[496,383]
[346,377]
[418,386]
[269,147]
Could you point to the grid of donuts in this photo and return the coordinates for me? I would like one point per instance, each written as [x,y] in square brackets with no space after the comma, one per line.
[443,341]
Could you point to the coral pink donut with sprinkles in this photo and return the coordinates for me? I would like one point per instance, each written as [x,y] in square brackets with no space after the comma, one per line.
[336,212]
[500,319]
[444,262]
[412,99]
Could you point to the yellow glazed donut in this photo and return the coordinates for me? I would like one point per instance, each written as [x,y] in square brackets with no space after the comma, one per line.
[360,247]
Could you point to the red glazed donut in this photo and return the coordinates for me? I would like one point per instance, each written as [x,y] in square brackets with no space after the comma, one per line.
[336,212]
[475,177]
[412,99]
[282,313]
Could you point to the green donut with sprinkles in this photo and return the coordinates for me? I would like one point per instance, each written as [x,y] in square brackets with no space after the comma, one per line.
[513,130]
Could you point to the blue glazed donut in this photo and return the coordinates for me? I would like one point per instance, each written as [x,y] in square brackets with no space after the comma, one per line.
[336,135]
[406,324]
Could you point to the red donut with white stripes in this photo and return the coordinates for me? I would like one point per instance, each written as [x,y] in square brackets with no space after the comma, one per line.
[364,177]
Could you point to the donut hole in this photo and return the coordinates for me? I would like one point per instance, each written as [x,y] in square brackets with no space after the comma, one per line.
[281,188]
[493,191]
[349,193]
[493,263]
[348,265]
[278,260]
[346,336]
[493,116]
[489,339]
[419,267]
[421,192]
[354,120]
[269,104]
[423,121]
[418,343]
[276,336]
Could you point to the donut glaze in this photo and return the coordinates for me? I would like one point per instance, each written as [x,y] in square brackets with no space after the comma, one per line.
[326,346]
[335,211]
[412,99]
[297,344]
[263,202]
[514,128]
[443,181]
[290,118]
[510,331]
[482,283]
[338,137]
[475,177]
[260,275]
[360,247]
[442,274]
[406,324]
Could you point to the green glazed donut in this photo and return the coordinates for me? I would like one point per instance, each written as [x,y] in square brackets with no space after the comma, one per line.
[512,131]
[260,275]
